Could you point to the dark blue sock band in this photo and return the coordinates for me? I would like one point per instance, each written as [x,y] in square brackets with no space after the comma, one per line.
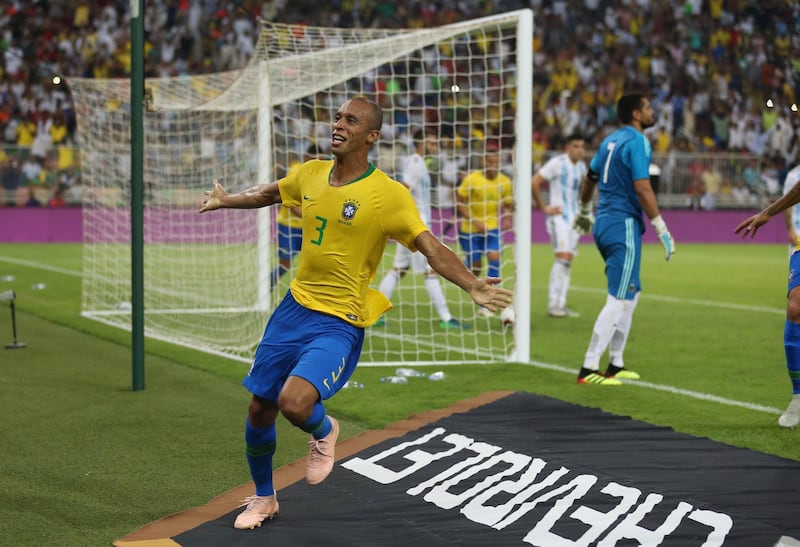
[318,423]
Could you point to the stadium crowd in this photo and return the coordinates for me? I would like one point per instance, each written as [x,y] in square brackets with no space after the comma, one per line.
[723,74]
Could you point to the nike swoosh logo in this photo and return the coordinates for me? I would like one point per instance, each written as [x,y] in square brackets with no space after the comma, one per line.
[306,197]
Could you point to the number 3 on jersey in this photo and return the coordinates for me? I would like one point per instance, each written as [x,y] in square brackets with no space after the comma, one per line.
[320,230]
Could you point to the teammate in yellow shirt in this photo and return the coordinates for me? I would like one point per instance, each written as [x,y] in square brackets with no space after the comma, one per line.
[313,340]
[483,198]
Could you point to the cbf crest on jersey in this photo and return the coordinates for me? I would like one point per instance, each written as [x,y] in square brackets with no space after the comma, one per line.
[349,209]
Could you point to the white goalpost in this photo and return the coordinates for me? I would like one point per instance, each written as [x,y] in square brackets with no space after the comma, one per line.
[209,278]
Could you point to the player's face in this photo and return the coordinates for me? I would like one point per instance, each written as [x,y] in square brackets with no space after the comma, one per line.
[647,117]
[576,150]
[431,145]
[491,164]
[352,128]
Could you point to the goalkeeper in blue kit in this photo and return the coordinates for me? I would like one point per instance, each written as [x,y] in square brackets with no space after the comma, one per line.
[621,170]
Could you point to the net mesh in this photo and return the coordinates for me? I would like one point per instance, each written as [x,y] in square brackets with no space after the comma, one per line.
[208,280]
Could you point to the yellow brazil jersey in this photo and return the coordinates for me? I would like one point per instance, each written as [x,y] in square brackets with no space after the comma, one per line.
[285,215]
[345,230]
[484,197]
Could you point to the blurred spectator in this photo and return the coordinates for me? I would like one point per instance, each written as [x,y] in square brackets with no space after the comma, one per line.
[741,193]
[26,131]
[32,200]
[43,140]
[32,171]
[770,175]
[750,175]
[12,179]
[694,194]
[711,67]
[59,132]
[57,199]
[712,179]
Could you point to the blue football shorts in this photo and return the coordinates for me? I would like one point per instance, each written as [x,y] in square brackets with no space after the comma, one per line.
[477,245]
[619,241]
[317,347]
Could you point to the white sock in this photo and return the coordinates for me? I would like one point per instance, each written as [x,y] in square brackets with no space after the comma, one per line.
[388,283]
[603,329]
[565,280]
[558,273]
[554,289]
[436,295]
[620,336]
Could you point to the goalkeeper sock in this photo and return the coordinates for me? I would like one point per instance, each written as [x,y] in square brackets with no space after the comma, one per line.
[260,445]
[791,344]
[389,283]
[318,423]
[602,332]
[494,268]
[436,295]
[620,337]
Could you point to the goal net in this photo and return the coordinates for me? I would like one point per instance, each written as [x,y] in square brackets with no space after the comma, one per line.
[212,280]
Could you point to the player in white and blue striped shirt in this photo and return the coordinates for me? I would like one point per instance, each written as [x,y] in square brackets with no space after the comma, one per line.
[564,174]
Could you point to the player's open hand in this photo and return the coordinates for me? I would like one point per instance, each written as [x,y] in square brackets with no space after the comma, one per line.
[211,199]
[486,292]
[751,225]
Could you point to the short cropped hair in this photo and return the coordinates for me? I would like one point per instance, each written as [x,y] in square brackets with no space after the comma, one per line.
[627,104]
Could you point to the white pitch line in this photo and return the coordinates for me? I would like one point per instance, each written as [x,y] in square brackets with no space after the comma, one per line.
[40,266]
[559,368]
[670,389]
[695,302]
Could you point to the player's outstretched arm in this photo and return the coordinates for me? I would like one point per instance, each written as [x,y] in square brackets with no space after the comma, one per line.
[252,198]
[753,223]
[485,291]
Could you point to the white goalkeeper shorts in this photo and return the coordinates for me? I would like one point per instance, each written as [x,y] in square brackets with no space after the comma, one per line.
[563,238]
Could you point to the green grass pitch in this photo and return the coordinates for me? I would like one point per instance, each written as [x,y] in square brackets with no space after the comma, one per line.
[87,460]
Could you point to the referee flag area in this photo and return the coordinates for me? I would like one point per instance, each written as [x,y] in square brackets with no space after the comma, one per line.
[514,468]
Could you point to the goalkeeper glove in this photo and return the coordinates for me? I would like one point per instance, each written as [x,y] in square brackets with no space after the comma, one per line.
[585,220]
[663,236]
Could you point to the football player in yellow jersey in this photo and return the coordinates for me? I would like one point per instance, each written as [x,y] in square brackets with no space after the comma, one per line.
[313,340]
[483,199]
[289,224]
